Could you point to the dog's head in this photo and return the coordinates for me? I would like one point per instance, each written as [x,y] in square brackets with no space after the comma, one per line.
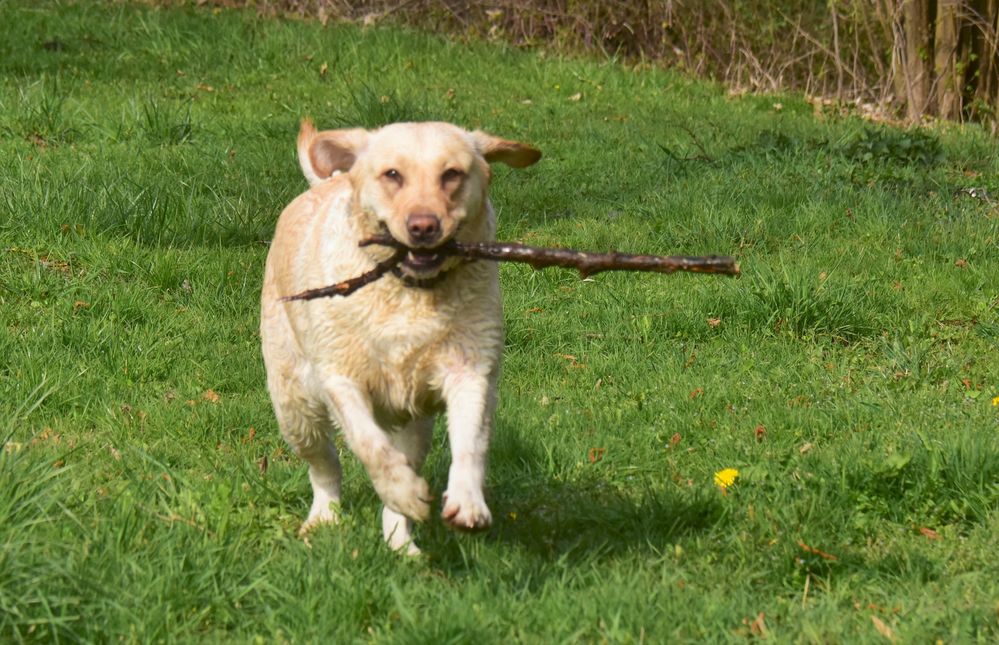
[423,183]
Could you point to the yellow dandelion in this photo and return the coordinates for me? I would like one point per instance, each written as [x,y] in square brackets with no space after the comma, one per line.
[725,478]
[995,402]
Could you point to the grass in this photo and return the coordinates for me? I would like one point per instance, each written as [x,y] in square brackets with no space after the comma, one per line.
[145,494]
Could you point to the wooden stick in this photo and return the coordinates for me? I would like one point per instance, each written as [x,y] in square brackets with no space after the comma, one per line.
[586,263]
[348,287]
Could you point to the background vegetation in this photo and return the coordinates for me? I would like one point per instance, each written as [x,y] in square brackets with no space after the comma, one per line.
[849,376]
[904,58]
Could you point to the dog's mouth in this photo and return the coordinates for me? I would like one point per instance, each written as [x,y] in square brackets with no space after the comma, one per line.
[423,263]
[419,267]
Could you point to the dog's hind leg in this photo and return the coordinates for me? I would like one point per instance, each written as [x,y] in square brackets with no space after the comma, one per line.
[309,436]
[325,475]
[304,421]
[413,440]
[391,471]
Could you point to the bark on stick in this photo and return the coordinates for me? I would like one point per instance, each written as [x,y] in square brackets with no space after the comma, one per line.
[538,257]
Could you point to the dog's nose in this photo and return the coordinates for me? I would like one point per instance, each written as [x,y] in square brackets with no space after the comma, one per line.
[423,228]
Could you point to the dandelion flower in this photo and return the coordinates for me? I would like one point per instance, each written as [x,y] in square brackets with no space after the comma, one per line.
[995,402]
[725,478]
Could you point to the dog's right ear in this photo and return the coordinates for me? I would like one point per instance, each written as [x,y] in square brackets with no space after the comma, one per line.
[323,153]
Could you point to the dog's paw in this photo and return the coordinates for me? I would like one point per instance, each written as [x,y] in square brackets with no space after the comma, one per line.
[466,510]
[322,512]
[397,531]
[402,490]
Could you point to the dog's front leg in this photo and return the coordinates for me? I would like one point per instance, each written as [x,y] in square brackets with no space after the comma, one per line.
[470,400]
[394,479]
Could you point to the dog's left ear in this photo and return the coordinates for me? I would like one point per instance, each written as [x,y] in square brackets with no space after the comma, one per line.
[320,154]
[512,153]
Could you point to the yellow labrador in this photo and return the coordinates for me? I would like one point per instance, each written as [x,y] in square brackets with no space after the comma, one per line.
[381,363]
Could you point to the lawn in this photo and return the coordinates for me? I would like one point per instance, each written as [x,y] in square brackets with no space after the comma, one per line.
[850,376]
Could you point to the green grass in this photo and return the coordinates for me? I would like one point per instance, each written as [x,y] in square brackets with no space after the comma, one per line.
[145,155]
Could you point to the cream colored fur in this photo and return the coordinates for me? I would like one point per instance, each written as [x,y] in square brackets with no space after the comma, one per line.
[379,364]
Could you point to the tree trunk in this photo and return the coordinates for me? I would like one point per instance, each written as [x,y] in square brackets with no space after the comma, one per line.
[948,82]
[945,57]
[917,53]
[985,47]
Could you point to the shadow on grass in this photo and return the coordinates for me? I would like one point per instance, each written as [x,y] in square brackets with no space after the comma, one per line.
[571,523]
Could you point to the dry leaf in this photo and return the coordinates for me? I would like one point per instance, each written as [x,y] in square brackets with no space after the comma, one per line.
[250,434]
[572,360]
[806,447]
[211,396]
[675,440]
[930,533]
[821,554]
[578,96]
[262,465]
[596,454]
[759,432]
[961,263]
[323,69]
[883,629]
[696,392]
[758,627]
[714,322]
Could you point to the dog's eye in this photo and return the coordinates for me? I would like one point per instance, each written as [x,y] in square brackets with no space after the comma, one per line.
[394,175]
[450,175]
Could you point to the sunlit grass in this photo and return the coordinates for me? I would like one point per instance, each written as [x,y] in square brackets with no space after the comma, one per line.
[849,376]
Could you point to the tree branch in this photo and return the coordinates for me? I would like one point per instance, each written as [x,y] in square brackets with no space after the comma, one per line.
[348,287]
[586,263]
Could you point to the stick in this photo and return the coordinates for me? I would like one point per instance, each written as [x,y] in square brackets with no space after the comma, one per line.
[348,287]
[586,263]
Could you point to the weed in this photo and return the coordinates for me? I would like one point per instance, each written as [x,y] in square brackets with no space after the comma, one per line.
[164,123]
[803,304]
[881,145]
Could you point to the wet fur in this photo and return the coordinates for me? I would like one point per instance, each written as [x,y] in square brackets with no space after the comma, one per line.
[380,364]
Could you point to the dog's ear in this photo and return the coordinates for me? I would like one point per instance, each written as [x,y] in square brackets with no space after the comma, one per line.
[322,153]
[512,153]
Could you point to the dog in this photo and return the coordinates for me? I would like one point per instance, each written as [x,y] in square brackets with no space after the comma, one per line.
[380,364]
